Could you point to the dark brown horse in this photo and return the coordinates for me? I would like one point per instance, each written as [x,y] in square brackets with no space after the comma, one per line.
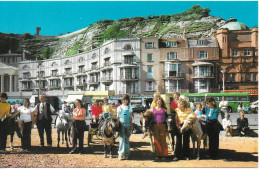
[108,129]
[146,123]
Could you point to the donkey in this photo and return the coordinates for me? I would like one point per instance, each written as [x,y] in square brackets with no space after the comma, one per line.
[63,125]
[172,130]
[108,129]
[197,134]
[146,123]
[11,126]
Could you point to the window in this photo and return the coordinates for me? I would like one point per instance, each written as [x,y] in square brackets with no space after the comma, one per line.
[172,55]
[254,77]
[149,44]
[248,77]
[68,70]
[81,69]
[149,86]
[26,75]
[149,72]
[67,62]
[54,64]
[228,77]
[54,72]
[247,52]
[149,57]
[128,60]
[94,66]
[233,77]
[171,44]
[202,54]
[127,47]
[200,86]
[107,50]
[234,53]
[107,63]
[81,59]
[94,56]
[201,42]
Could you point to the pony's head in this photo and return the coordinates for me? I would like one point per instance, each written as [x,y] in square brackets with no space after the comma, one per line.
[63,118]
[169,122]
[144,121]
[188,123]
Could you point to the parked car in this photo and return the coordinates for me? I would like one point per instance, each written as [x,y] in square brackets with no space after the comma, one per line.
[254,107]
[138,108]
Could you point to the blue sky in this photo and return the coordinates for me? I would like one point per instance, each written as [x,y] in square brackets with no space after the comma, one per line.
[58,17]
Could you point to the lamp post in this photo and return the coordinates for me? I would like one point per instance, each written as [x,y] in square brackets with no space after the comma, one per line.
[39,75]
[223,72]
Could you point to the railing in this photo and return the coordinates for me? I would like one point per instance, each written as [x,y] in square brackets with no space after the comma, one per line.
[94,81]
[107,64]
[172,74]
[109,78]
[131,90]
[203,74]
[129,77]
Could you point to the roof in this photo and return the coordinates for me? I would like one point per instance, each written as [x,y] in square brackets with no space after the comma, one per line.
[208,42]
[4,66]
[235,26]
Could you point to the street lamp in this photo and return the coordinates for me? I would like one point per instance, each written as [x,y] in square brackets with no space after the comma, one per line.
[39,75]
[223,72]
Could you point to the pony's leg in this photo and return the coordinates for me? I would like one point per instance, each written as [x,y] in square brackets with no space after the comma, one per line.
[69,130]
[58,132]
[105,150]
[198,148]
[194,149]
[66,138]
[11,142]
[110,149]
[62,137]
[169,141]
[151,140]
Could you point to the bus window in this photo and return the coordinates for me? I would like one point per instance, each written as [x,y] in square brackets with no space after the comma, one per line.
[231,98]
[243,98]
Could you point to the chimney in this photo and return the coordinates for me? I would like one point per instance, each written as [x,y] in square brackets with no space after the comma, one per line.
[38,29]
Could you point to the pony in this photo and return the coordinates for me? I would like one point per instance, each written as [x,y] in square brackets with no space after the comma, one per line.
[172,130]
[146,123]
[63,124]
[197,134]
[108,129]
[11,126]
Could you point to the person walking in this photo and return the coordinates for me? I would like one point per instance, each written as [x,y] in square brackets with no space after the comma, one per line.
[159,130]
[26,116]
[5,109]
[183,139]
[124,114]
[78,118]
[43,110]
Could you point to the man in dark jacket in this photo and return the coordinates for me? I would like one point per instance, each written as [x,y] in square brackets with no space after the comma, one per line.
[242,124]
[44,119]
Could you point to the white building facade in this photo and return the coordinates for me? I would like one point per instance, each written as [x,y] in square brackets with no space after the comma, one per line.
[113,66]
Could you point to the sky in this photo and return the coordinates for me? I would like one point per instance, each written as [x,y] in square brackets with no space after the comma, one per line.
[55,17]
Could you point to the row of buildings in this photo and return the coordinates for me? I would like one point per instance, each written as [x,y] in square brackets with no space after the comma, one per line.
[141,66]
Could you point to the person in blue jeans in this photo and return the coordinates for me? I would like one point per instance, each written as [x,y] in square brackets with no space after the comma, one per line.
[124,115]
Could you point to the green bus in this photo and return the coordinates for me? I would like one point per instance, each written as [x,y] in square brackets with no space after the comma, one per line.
[233,99]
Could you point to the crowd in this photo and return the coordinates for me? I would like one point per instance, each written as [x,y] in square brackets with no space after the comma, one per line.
[207,113]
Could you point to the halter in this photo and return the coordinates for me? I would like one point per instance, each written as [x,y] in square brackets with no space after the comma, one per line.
[108,120]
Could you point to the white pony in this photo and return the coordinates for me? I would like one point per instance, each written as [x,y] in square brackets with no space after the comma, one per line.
[63,124]
[192,122]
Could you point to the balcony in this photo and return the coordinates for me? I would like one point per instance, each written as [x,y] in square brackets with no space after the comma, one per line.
[107,79]
[26,88]
[107,66]
[81,84]
[94,81]
[94,69]
[25,79]
[128,63]
[54,86]
[203,75]
[173,75]
[129,78]
[68,85]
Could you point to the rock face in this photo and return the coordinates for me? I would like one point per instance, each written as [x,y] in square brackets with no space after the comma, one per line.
[196,21]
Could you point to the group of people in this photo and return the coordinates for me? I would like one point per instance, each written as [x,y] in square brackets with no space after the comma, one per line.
[207,113]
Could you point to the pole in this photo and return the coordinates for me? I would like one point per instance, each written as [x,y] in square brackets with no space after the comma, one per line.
[223,84]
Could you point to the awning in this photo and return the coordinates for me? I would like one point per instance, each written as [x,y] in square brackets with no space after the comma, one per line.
[72,98]
[201,63]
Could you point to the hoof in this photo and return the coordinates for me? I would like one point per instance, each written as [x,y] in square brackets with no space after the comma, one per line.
[198,158]
[105,156]
[110,156]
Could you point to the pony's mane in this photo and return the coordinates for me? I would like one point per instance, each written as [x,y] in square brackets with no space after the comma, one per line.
[191,116]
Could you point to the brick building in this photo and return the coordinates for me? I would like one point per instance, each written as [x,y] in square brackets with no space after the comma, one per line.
[238,57]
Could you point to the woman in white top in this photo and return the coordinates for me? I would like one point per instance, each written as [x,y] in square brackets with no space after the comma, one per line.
[26,116]
[226,123]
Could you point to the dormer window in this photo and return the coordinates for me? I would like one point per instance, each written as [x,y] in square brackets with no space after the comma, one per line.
[201,42]
[94,56]
[127,47]
[107,50]
[67,62]
[235,53]
[171,44]
[26,67]
[149,44]
[54,64]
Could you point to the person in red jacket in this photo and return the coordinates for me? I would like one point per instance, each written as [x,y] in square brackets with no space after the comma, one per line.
[96,111]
